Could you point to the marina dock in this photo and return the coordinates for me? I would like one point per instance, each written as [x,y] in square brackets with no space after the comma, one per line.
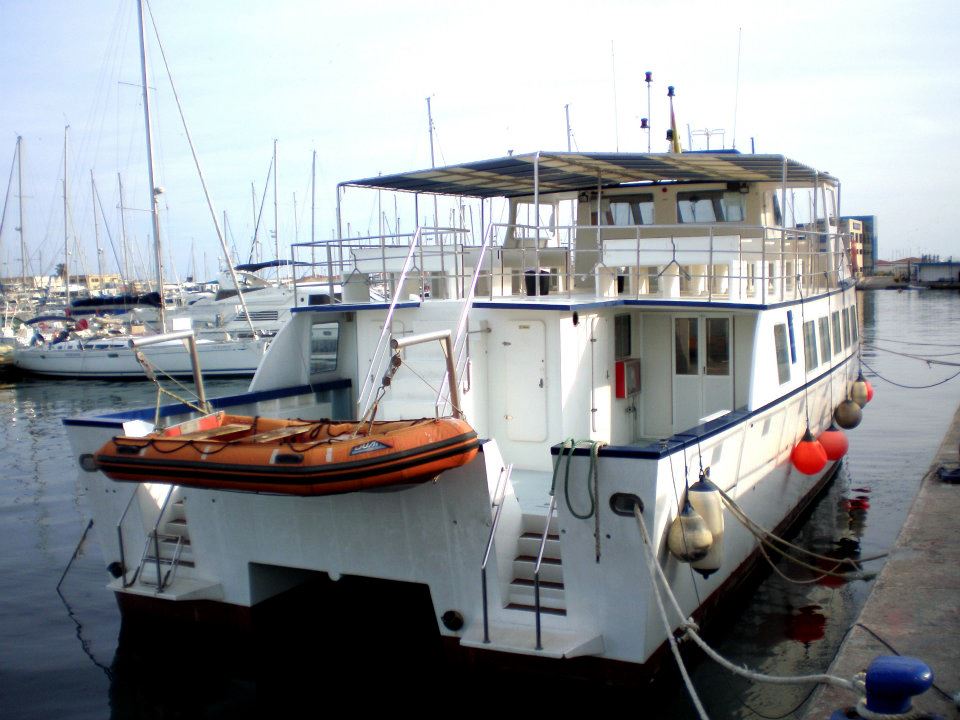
[913,609]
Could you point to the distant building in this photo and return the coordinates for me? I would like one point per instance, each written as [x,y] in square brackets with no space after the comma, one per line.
[934,273]
[852,230]
[901,269]
[870,241]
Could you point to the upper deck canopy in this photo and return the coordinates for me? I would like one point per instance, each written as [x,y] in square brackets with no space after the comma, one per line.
[573,172]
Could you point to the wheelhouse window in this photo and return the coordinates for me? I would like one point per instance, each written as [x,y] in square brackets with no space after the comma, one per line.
[626,210]
[324,342]
[810,346]
[686,342]
[825,350]
[707,206]
[783,353]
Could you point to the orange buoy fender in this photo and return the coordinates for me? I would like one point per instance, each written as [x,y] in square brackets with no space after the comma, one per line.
[808,456]
[834,442]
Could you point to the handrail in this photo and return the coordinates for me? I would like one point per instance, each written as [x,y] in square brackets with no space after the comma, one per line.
[156,538]
[365,397]
[460,344]
[536,569]
[123,560]
[498,496]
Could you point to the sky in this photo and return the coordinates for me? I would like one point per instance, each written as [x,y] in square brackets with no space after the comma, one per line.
[867,91]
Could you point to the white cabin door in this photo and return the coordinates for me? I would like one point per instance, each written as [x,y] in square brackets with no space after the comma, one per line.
[702,368]
[524,344]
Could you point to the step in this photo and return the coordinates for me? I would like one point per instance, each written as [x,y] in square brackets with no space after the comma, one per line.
[529,545]
[180,588]
[550,570]
[148,571]
[177,510]
[532,608]
[544,584]
[176,527]
[550,598]
[533,523]
[521,639]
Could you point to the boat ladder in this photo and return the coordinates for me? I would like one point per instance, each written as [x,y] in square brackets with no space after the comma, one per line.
[166,546]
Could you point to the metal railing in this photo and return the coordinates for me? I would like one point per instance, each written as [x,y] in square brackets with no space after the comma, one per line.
[461,336]
[123,558]
[498,496]
[726,262]
[536,570]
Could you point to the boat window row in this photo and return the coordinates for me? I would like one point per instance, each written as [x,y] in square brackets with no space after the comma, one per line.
[845,332]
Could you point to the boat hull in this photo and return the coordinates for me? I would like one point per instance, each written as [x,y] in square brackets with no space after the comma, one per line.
[218,359]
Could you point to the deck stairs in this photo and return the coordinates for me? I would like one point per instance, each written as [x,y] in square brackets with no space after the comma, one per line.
[513,629]
[167,548]
[522,587]
[167,564]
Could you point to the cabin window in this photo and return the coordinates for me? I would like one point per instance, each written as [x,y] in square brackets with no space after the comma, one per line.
[705,206]
[783,354]
[621,336]
[324,341]
[718,346]
[625,210]
[837,347]
[685,331]
[854,323]
[751,278]
[846,327]
[825,350]
[809,345]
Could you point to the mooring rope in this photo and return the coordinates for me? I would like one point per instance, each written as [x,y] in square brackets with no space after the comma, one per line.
[692,631]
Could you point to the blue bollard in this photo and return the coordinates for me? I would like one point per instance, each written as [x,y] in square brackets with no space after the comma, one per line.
[891,683]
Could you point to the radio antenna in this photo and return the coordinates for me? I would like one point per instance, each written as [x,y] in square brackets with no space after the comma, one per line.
[736,94]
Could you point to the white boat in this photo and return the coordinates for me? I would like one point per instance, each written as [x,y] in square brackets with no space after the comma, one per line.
[114,358]
[702,324]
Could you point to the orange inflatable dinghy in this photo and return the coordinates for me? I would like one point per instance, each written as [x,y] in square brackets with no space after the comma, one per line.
[289,457]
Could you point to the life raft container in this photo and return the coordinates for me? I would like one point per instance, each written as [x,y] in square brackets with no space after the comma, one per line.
[289,457]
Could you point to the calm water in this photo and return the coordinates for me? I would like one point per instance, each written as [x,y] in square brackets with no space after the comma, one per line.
[69,659]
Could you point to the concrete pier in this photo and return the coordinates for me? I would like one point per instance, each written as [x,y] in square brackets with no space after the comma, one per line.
[915,604]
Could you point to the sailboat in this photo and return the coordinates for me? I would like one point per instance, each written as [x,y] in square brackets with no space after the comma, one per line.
[116,357]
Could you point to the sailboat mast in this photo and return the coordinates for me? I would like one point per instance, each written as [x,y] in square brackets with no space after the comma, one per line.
[66,239]
[96,234]
[23,244]
[276,211]
[154,190]
[123,238]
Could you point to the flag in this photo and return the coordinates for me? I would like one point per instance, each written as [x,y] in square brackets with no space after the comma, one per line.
[674,137]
